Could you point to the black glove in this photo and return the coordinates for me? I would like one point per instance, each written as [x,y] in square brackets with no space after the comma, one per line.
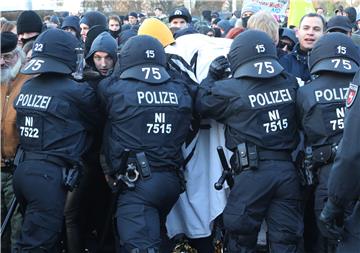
[330,217]
[219,68]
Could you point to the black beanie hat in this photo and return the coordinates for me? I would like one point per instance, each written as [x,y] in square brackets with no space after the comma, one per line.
[93,18]
[8,42]
[73,22]
[133,14]
[29,21]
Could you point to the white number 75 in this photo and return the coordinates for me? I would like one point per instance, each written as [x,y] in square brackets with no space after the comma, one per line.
[154,71]
[268,67]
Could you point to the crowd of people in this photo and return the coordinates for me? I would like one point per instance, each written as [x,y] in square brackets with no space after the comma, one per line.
[98,112]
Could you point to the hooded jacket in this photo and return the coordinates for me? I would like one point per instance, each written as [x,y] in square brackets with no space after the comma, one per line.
[73,22]
[104,42]
[93,18]
[351,12]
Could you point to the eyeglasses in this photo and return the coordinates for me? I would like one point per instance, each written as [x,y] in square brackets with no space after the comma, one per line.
[8,57]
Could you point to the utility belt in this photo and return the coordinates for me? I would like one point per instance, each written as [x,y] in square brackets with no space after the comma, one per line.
[136,166]
[71,171]
[311,160]
[321,156]
[247,156]
[7,165]
[132,168]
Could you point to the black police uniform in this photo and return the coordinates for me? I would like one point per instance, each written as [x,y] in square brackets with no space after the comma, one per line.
[257,107]
[54,118]
[344,178]
[321,108]
[149,114]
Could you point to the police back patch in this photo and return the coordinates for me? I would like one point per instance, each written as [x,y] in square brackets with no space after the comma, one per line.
[351,94]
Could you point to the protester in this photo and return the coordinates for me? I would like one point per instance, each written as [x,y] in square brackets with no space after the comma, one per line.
[29,26]
[12,59]
[90,19]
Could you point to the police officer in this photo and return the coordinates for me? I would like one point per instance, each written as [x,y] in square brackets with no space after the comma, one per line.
[321,108]
[257,106]
[55,116]
[149,115]
[344,178]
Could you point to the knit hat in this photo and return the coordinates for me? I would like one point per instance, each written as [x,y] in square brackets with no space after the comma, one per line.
[93,18]
[8,42]
[73,22]
[224,25]
[133,14]
[29,21]
[158,30]
[55,19]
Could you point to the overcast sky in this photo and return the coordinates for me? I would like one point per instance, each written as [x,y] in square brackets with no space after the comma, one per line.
[9,5]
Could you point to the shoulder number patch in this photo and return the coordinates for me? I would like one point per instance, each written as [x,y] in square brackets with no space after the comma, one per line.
[351,94]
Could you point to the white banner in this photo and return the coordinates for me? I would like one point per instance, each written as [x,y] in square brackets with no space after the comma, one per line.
[276,7]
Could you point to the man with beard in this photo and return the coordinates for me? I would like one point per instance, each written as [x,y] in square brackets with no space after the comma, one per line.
[12,59]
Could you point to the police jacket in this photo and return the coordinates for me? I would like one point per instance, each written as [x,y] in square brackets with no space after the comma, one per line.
[55,116]
[345,174]
[257,111]
[144,117]
[296,63]
[321,108]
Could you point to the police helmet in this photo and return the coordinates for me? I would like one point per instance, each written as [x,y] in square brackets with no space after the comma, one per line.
[334,52]
[143,58]
[180,12]
[53,51]
[253,54]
